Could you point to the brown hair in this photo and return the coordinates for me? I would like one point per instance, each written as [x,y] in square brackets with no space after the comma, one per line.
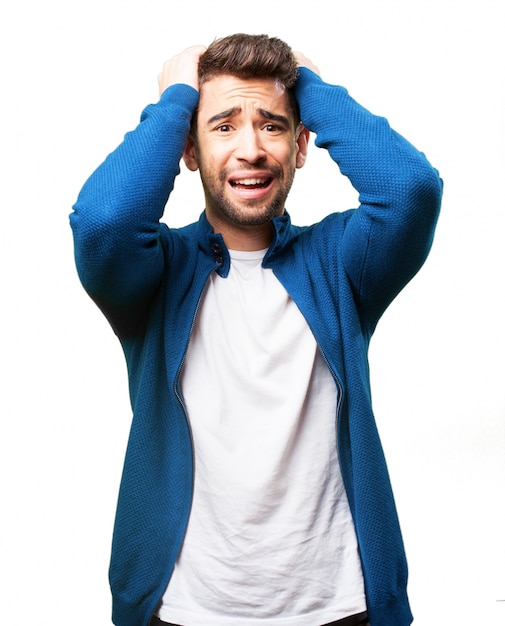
[252,56]
[249,56]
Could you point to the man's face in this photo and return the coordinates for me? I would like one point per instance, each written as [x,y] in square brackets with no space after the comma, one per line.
[247,149]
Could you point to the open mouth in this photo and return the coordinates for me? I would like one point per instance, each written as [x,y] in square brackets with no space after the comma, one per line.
[251,183]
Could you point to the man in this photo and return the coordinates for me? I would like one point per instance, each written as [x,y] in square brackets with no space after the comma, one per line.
[254,491]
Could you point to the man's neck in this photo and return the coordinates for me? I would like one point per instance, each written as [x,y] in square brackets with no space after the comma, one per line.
[245,238]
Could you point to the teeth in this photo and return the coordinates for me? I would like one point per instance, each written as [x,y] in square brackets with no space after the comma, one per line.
[249,181]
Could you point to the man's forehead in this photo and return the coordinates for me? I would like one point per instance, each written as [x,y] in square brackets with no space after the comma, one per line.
[226,87]
[225,96]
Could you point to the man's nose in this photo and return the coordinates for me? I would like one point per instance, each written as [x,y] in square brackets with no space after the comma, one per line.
[250,146]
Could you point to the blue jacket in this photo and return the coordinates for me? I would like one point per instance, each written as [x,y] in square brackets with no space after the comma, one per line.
[342,272]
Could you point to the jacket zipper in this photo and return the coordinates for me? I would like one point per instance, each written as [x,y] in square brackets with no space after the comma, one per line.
[340,394]
[183,407]
[181,399]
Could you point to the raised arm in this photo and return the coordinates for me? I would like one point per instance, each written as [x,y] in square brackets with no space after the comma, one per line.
[389,236]
[116,217]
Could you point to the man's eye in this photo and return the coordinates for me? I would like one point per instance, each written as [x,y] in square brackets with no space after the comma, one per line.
[223,128]
[272,128]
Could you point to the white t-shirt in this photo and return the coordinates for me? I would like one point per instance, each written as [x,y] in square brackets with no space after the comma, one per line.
[270,538]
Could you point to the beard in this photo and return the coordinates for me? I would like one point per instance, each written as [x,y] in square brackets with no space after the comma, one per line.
[247,212]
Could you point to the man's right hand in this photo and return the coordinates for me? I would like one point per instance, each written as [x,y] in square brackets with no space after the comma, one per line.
[182,68]
[303,61]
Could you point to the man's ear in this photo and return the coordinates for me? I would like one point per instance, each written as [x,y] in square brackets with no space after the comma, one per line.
[302,141]
[190,154]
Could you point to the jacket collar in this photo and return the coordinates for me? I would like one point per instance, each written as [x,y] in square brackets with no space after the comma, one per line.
[213,245]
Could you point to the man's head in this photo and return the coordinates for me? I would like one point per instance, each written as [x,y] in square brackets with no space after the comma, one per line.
[246,139]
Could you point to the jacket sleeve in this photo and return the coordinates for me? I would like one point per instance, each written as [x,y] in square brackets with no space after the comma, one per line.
[388,237]
[116,218]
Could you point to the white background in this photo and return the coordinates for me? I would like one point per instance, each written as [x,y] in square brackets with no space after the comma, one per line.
[75,76]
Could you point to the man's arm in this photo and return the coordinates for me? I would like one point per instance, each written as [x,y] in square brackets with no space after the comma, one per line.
[388,238]
[116,217]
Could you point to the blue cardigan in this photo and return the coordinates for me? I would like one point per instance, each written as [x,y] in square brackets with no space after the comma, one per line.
[342,273]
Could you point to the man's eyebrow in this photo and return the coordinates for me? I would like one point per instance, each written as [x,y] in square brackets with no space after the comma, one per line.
[275,117]
[223,115]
